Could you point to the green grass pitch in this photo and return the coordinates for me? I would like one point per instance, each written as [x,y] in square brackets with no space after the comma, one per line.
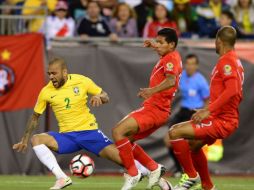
[108,183]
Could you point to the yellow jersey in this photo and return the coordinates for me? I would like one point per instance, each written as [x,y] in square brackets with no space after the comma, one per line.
[69,103]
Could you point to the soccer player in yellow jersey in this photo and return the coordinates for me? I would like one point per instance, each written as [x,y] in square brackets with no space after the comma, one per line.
[67,95]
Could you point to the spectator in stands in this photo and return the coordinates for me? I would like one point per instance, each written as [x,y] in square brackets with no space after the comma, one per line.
[59,24]
[208,16]
[186,17]
[5,11]
[12,26]
[14,3]
[93,24]
[123,22]
[77,9]
[144,12]
[107,7]
[244,15]
[226,19]
[36,8]
[161,19]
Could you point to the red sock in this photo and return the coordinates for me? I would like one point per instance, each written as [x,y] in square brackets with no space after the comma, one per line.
[182,152]
[200,163]
[125,152]
[140,155]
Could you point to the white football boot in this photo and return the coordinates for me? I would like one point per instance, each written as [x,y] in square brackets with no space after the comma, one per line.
[155,176]
[131,181]
[62,183]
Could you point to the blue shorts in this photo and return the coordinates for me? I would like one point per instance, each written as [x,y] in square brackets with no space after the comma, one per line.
[91,140]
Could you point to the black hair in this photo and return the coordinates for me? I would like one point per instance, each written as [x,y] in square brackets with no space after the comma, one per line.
[92,1]
[229,14]
[169,34]
[189,56]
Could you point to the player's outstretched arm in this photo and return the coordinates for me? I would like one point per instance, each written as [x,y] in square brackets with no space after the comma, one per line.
[164,85]
[99,99]
[32,124]
[149,44]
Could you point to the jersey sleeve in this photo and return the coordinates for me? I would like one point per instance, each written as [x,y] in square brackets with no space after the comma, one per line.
[230,90]
[171,66]
[41,103]
[203,88]
[93,89]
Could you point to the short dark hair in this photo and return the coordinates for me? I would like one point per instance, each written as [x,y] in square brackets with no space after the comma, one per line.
[170,35]
[189,56]
[59,60]
[228,13]
[93,1]
[228,35]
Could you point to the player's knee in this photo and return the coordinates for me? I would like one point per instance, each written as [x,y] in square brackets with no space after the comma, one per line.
[35,140]
[116,133]
[173,133]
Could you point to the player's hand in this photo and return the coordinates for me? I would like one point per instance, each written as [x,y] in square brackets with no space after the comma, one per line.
[21,146]
[113,37]
[84,37]
[149,43]
[200,115]
[119,26]
[145,93]
[95,101]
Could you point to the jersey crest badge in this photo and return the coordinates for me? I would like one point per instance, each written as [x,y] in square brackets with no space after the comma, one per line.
[76,91]
[227,70]
[170,66]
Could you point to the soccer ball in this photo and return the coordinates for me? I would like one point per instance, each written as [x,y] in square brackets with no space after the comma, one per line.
[82,166]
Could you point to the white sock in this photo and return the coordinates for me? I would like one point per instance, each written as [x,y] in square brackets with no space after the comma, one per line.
[49,160]
[142,168]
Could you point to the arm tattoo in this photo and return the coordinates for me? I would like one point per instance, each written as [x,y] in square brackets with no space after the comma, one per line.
[31,126]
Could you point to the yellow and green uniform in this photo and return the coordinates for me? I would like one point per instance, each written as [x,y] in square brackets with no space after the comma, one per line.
[69,103]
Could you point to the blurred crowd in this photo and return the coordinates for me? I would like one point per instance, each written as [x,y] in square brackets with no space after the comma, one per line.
[135,18]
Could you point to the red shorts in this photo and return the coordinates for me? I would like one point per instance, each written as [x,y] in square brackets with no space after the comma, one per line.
[149,119]
[212,129]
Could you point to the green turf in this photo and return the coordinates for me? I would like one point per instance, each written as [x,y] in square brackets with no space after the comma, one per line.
[108,183]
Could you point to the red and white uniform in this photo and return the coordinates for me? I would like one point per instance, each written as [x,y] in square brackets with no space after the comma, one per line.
[55,27]
[156,109]
[225,96]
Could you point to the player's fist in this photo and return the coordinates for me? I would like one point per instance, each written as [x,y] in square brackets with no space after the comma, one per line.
[95,101]
[113,37]
[145,93]
[148,43]
[20,147]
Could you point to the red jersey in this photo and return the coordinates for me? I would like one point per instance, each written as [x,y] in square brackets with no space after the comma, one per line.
[228,67]
[168,64]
